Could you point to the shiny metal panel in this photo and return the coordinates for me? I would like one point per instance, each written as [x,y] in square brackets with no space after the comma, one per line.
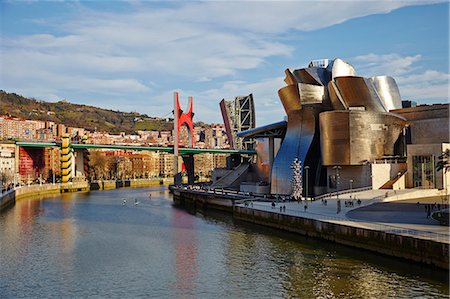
[388,91]
[290,98]
[359,92]
[358,137]
[299,136]
[337,103]
[312,94]
[340,68]
[313,75]
[289,79]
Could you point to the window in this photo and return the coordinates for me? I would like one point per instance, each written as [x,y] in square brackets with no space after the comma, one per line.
[424,175]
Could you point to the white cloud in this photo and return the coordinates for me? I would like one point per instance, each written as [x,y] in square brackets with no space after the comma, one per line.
[135,55]
[426,86]
[392,64]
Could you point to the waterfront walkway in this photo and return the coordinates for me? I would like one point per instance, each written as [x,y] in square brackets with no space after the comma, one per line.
[397,213]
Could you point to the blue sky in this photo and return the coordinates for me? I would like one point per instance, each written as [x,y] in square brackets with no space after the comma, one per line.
[132,55]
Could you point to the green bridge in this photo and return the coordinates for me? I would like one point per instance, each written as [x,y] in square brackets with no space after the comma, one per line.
[183,151]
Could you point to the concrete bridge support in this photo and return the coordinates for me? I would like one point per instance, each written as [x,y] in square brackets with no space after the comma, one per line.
[66,159]
[189,166]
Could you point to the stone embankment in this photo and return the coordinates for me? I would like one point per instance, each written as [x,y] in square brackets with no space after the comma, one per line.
[368,236]
[38,191]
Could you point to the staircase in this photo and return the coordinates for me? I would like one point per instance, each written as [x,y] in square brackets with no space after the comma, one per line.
[234,178]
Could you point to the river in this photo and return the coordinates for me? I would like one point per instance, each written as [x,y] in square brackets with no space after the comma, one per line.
[90,245]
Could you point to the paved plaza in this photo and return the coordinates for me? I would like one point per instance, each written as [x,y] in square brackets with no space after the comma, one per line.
[401,212]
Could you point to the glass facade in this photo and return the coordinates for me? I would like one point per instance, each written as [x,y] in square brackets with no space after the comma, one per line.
[424,173]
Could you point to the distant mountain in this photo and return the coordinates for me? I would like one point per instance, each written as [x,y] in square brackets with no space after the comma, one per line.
[80,116]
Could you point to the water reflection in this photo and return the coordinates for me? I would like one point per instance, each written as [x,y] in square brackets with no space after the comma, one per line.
[296,267]
[84,245]
[185,242]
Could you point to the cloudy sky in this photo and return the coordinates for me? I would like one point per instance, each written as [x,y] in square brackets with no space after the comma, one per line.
[132,55]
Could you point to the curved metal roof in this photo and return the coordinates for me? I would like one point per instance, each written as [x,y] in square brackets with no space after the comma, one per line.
[277,129]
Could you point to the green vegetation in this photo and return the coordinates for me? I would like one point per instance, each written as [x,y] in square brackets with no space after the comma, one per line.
[155,125]
[80,116]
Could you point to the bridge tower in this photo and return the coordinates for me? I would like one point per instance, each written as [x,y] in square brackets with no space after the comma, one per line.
[66,159]
[181,119]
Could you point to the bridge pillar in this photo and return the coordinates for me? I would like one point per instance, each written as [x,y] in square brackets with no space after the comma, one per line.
[79,163]
[66,159]
[233,161]
[189,166]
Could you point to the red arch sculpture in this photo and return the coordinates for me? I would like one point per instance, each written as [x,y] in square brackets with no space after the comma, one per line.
[185,118]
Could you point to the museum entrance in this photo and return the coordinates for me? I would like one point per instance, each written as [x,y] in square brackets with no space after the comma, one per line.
[424,174]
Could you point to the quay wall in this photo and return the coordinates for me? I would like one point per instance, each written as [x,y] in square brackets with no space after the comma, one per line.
[27,192]
[37,191]
[198,200]
[113,184]
[407,247]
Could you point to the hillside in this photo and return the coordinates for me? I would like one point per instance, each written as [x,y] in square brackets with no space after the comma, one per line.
[81,116]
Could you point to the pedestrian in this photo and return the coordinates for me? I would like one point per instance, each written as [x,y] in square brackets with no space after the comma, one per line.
[284,208]
[338,206]
[273,205]
[281,208]
[305,207]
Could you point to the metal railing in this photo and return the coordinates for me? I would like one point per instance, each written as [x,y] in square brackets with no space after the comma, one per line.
[348,191]
[392,229]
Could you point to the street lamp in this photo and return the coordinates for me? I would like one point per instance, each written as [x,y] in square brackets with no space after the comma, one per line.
[306,181]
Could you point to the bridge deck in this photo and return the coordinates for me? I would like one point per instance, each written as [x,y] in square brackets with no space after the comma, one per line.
[183,151]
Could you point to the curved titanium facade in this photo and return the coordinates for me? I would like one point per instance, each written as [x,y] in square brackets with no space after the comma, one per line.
[296,144]
[334,118]
[358,137]
[340,68]
[359,92]
[388,91]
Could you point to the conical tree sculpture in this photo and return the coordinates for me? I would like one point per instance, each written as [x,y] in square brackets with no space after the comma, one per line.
[297,184]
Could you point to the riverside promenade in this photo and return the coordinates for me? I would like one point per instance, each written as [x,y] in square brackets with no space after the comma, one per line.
[387,222]
[398,212]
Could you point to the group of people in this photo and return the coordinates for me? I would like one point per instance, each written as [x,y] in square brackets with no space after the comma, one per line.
[350,203]
[282,207]
[433,207]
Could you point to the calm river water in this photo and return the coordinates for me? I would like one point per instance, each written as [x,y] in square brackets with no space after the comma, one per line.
[89,245]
